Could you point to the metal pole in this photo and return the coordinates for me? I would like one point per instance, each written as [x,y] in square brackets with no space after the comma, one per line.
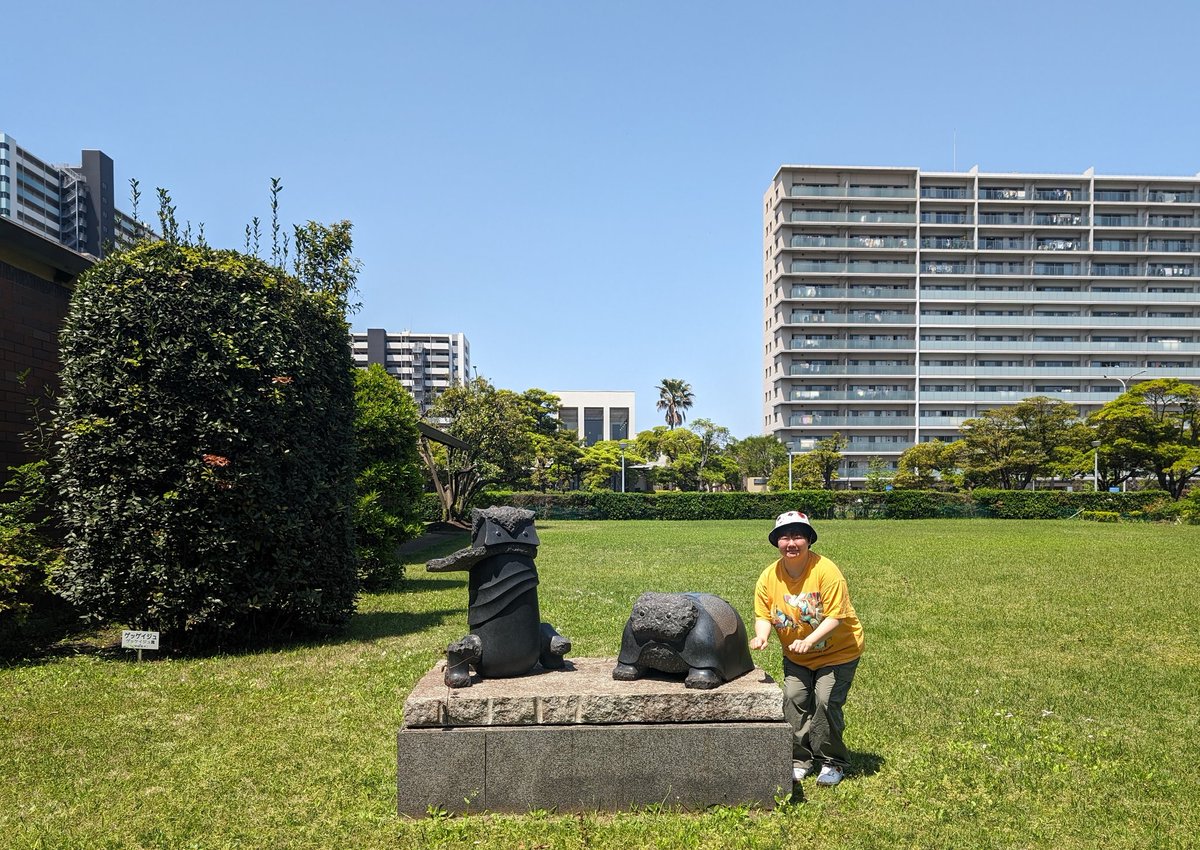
[621,446]
[790,454]
[1096,466]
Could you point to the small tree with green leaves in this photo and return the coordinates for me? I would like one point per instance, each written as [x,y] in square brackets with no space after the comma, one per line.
[390,475]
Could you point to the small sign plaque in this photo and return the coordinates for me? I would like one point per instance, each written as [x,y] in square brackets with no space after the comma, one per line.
[139,640]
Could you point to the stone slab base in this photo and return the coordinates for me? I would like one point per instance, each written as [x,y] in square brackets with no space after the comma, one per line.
[585,693]
[591,767]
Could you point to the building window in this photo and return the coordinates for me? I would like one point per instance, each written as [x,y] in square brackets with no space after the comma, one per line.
[593,425]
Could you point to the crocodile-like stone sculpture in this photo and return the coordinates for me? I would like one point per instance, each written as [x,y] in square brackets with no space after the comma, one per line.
[507,637]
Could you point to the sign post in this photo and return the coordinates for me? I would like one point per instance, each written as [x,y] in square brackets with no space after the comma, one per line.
[139,640]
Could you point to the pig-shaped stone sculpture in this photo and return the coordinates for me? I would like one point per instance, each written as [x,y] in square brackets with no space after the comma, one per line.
[694,633]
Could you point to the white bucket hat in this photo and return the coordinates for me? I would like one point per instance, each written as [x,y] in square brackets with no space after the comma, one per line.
[792,518]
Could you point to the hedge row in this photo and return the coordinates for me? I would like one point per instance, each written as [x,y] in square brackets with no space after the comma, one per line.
[832,504]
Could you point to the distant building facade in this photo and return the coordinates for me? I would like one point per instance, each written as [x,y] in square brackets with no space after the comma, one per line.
[36,278]
[69,204]
[598,415]
[426,364]
[898,303]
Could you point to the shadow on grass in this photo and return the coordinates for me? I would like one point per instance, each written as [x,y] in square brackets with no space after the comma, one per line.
[865,764]
[384,624]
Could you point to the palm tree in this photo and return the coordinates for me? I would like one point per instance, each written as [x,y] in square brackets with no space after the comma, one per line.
[674,396]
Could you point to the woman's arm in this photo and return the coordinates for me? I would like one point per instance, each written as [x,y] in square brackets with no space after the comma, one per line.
[762,631]
[806,644]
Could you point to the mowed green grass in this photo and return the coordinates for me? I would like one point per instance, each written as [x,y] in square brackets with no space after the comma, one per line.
[1025,684]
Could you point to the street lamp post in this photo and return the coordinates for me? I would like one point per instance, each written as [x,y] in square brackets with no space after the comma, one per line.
[1124,381]
[622,446]
[1095,466]
[790,456]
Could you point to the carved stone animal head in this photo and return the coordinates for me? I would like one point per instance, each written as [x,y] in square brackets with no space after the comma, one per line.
[663,617]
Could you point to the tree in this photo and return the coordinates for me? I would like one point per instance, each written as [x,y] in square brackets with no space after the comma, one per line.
[879,477]
[757,457]
[675,397]
[1008,447]
[1153,428]
[715,440]
[682,450]
[496,428]
[928,466]
[389,477]
[805,475]
[556,460]
[601,464]
[205,464]
[826,457]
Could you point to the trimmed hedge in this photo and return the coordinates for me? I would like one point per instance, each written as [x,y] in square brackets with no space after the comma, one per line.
[823,504]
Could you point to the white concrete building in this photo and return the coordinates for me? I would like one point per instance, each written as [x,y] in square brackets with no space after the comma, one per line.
[598,415]
[898,303]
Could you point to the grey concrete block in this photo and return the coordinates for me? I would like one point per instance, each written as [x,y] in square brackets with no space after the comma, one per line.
[440,768]
[580,768]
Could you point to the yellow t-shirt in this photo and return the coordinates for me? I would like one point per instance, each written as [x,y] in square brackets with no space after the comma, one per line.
[795,607]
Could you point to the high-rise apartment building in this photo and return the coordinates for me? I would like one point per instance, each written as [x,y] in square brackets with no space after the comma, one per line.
[70,204]
[426,364]
[899,303]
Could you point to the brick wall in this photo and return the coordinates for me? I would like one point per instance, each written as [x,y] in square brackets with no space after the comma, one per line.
[32,310]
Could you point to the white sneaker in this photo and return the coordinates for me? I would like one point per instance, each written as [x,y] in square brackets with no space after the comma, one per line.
[830,775]
[800,772]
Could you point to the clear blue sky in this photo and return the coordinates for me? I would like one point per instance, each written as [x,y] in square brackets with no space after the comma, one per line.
[577,186]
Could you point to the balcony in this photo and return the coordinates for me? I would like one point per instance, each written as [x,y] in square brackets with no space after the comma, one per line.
[1002,194]
[1070,194]
[873,217]
[874,317]
[852,344]
[1160,197]
[946,218]
[1061,219]
[798,419]
[809,241]
[799,190]
[947,243]
[840,292]
[853,266]
[854,395]
[803,369]
[937,267]
[957,193]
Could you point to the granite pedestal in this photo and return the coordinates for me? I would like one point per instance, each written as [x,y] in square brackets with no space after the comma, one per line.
[575,739]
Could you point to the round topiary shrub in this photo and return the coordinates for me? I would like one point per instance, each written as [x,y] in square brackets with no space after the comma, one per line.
[205,458]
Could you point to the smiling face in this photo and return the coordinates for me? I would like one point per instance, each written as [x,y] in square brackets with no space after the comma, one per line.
[793,543]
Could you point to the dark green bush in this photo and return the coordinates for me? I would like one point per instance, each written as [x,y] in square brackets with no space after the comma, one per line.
[206,474]
[1100,516]
[31,615]
[822,504]
[390,474]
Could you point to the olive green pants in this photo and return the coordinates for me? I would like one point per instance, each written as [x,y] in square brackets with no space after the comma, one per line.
[812,703]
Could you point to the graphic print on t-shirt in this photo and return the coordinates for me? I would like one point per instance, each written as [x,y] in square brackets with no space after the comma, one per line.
[809,610]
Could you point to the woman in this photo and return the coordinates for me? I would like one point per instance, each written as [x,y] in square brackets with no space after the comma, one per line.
[804,597]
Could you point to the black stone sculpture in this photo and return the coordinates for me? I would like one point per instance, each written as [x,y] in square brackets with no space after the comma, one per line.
[694,633]
[507,636]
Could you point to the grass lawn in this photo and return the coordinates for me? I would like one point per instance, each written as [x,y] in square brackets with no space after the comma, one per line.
[1026,684]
